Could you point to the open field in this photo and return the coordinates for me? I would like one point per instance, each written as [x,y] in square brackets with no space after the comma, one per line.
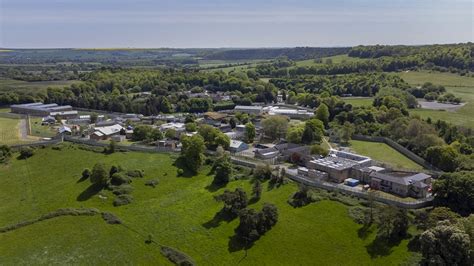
[383,153]
[458,85]
[18,85]
[9,131]
[359,101]
[337,59]
[179,213]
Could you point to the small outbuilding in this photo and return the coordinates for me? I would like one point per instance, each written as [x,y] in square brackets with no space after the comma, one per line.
[237,146]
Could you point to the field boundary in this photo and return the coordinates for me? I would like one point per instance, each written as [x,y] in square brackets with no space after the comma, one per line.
[409,154]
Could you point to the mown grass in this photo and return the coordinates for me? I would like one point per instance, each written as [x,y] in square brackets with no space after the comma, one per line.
[179,212]
[458,85]
[7,85]
[383,153]
[358,101]
[337,59]
[9,131]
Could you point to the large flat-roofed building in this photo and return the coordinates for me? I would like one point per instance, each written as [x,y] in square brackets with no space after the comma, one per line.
[256,110]
[339,164]
[291,113]
[40,109]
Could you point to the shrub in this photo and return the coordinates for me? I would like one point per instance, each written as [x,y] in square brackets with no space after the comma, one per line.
[135,173]
[122,190]
[180,172]
[5,153]
[86,173]
[177,257]
[26,152]
[151,183]
[110,218]
[123,199]
[120,178]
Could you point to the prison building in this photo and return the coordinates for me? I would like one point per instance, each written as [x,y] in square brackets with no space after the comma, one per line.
[41,109]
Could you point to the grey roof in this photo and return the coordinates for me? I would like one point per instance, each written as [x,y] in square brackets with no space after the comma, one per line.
[337,163]
[399,178]
[248,107]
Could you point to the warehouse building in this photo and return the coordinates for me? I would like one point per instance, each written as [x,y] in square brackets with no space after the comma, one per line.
[41,109]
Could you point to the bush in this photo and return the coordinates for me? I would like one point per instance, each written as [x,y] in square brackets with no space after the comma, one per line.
[180,172]
[123,199]
[135,173]
[111,218]
[122,190]
[151,183]
[120,178]
[26,152]
[86,173]
[177,257]
[5,153]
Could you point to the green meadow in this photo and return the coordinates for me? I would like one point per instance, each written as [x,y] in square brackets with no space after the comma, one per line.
[180,212]
[458,85]
[383,153]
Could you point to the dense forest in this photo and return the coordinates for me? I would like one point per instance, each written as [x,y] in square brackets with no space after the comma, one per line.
[298,53]
[457,56]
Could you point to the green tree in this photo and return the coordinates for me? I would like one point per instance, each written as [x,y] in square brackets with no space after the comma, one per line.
[191,127]
[313,131]
[249,132]
[322,113]
[456,191]
[99,175]
[257,189]
[193,152]
[275,127]
[141,133]
[223,170]
[26,152]
[445,245]
[170,133]
[295,133]
[392,223]
[234,201]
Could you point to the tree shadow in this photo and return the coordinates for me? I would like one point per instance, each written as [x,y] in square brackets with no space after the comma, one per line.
[181,164]
[82,179]
[382,247]
[89,192]
[220,216]
[253,200]
[236,244]
[364,231]
[414,244]
[213,187]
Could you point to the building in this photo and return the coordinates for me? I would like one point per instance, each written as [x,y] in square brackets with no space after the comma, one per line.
[312,173]
[267,153]
[214,118]
[294,152]
[339,164]
[237,146]
[255,110]
[40,109]
[402,183]
[118,138]
[291,113]
[48,120]
[176,126]
[103,133]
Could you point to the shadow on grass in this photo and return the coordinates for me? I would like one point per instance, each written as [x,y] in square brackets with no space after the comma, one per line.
[181,164]
[89,192]
[236,244]
[220,216]
[382,247]
[253,200]
[82,179]
[213,187]
[365,231]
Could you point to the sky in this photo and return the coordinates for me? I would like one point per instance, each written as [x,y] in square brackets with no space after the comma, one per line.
[232,23]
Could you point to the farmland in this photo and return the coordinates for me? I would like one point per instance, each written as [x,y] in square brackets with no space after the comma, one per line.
[458,85]
[337,59]
[384,153]
[18,85]
[179,212]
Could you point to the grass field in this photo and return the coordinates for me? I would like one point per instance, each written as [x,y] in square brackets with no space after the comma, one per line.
[18,85]
[359,101]
[460,86]
[337,59]
[9,131]
[179,213]
[383,153]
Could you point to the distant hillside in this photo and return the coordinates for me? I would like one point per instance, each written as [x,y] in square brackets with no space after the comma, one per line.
[298,53]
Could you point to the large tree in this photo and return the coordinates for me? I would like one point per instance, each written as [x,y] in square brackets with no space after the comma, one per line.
[275,126]
[249,132]
[234,201]
[193,152]
[445,244]
[456,191]
[322,113]
[99,175]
